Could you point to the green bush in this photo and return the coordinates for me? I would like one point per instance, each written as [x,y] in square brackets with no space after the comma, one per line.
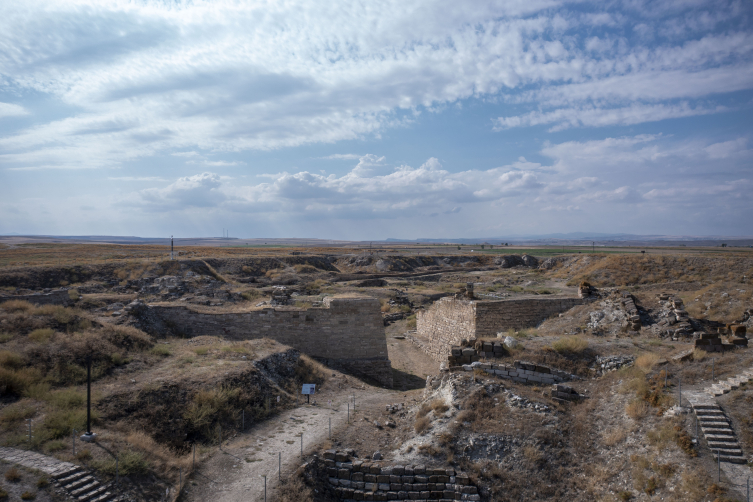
[67,399]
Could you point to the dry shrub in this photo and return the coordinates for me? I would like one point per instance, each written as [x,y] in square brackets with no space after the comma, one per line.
[532,454]
[210,407]
[647,361]
[14,306]
[422,424]
[306,269]
[126,337]
[42,335]
[17,382]
[12,475]
[570,345]
[163,458]
[636,409]
[294,490]
[251,294]
[10,360]
[439,406]
[699,355]
[615,436]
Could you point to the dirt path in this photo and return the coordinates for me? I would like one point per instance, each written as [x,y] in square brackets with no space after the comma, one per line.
[235,473]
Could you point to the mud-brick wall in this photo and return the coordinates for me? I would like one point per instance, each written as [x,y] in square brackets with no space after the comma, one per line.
[346,332]
[58,297]
[450,320]
[444,324]
[493,317]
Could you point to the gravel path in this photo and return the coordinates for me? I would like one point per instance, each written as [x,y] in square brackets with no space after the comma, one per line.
[236,473]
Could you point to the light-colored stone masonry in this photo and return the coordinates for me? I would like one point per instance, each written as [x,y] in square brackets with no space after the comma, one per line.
[450,320]
[346,332]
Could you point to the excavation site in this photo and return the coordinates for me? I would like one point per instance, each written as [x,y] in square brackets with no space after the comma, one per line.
[384,374]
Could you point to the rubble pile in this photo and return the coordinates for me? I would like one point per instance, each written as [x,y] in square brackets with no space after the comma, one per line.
[613,363]
[673,318]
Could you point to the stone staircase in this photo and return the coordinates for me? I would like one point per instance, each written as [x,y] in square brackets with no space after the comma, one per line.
[78,483]
[718,431]
[82,486]
[731,383]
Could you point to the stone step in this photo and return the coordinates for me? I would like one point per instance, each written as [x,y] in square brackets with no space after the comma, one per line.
[92,494]
[718,432]
[714,392]
[710,413]
[723,445]
[75,485]
[73,477]
[718,437]
[85,489]
[729,453]
[733,460]
[713,425]
[64,473]
[705,406]
[103,498]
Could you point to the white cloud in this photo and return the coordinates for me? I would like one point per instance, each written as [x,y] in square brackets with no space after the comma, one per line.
[12,110]
[151,77]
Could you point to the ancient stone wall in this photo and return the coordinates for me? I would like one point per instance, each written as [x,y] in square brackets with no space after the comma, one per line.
[450,320]
[346,333]
[57,297]
[358,480]
[444,324]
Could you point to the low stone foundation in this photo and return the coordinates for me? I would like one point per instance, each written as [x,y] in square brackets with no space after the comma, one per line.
[521,372]
[359,480]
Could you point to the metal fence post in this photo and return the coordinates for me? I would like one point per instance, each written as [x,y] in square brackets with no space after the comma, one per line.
[348,411]
[265,488]
[279,466]
[301,444]
[330,427]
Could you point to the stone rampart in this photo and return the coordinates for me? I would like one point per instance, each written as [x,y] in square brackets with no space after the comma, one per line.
[450,320]
[346,332]
[57,297]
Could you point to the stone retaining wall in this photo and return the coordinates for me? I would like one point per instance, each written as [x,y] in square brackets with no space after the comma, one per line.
[57,297]
[521,372]
[358,480]
[450,320]
[346,332]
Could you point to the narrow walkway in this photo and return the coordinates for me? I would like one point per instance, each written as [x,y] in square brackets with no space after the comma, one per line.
[731,383]
[79,484]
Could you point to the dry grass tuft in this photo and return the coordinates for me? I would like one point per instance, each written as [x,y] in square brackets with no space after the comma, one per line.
[647,361]
[637,409]
[699,355]
[422,424]
[14,306]
[570,345]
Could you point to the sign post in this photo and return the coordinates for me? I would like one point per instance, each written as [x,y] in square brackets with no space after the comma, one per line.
[308,389]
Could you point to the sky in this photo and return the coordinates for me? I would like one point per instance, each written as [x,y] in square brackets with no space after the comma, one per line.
[376,119]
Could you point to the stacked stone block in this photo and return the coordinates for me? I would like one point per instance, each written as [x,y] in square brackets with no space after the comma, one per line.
[358,480]
[450,320]
[563,392]
[634,318]
[711,342]
[347,332]
[466,355]
[521,372]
